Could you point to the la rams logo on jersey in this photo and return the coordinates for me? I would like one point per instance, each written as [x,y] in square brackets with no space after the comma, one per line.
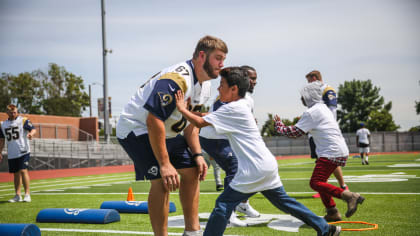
[153,170]
[165,98]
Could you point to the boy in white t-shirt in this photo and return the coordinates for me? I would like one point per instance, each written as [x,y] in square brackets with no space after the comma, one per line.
[257,167]
[363,142]
[331,149]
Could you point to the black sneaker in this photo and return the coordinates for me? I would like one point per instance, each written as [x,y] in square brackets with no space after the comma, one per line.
[334,231]
[219,188]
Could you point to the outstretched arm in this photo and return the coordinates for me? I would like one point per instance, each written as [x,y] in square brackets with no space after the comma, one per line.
[197,121]
[289,131]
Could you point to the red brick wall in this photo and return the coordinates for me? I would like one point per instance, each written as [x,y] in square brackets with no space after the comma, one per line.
[87,124]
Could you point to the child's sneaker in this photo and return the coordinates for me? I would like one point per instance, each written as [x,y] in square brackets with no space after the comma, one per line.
[234,221]
[17,198]
[247,209]
[27,198]
[316,195]
[334,231]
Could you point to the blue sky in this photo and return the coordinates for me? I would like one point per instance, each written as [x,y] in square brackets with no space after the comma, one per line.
[283,40]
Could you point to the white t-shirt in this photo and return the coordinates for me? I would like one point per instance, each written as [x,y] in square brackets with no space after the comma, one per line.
[257,167]
[363,135]
[320,122]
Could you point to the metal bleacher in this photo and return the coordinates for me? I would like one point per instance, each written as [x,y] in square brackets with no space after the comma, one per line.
[62,146]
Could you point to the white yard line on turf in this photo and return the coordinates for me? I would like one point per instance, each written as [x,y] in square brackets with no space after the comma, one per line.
[105,231]
[208,193]
[78,183]
[35,182]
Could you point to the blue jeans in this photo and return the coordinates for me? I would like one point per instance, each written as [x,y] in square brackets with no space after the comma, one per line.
[227,201]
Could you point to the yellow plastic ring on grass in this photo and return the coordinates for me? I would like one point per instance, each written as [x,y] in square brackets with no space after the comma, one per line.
[375,226]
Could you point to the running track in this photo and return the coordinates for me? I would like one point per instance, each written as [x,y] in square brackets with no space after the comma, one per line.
[59,173]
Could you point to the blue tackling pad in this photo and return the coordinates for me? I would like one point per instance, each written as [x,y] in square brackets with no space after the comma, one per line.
[76,215]
[132,206]
[19,230]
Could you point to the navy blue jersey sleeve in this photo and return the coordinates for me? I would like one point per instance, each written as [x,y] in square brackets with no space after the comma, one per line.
[330,98]
[28,125]
[217,104]
[161,101]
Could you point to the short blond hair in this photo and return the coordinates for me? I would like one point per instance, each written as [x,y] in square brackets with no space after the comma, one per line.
[315,73]
[11,107]
[208,44]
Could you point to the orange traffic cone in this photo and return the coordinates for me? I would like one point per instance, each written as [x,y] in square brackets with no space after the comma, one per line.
[130,196]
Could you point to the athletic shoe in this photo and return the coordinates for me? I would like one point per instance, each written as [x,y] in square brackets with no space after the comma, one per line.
[367,163]
[316,195]
[247,209]
[193,233]
[234,221]
[352,199]
[219,188]
[27,198]
[334,230]
[17,198]
[332,215]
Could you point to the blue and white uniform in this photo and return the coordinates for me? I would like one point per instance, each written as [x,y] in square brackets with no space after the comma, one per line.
[15,132]
[217,145]
[157,96]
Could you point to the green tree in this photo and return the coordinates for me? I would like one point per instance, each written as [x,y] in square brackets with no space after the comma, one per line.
[27,93]
[64,92]
[5,96]
[358,100]
[268,128]
[381,120]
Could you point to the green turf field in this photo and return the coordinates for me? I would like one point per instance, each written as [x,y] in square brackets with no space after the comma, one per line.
[390,184]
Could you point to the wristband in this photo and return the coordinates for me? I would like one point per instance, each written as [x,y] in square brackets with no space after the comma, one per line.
[194,156]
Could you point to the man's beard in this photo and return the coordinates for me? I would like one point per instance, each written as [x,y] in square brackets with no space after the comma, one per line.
[209,69]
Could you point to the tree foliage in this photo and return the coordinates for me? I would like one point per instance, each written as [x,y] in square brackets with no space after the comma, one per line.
[57,92]
[360,102]
[268,128]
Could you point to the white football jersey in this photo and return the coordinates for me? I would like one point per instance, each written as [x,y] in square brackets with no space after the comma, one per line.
[157,96]
[15,132]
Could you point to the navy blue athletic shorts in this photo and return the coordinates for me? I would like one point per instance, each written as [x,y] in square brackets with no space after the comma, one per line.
[19,163]
[146,166]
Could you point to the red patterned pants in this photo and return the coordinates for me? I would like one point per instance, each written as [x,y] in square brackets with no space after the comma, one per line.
[319,182]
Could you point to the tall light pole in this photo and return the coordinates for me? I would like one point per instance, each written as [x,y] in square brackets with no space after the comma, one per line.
[90,96]
[104,53]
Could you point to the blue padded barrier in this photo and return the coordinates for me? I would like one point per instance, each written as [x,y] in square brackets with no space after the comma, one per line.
[75,215]
[19,230]
[132,206]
